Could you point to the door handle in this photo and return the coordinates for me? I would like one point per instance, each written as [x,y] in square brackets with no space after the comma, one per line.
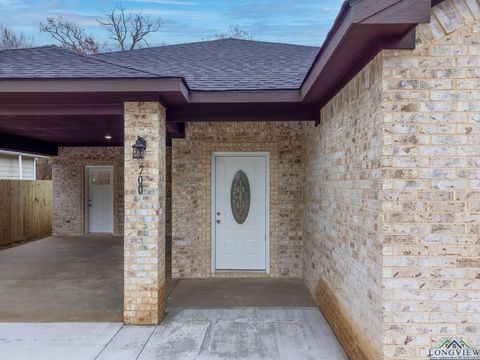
[218,221]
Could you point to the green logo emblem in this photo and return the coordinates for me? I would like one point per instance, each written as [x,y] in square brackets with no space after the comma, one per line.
[453,349]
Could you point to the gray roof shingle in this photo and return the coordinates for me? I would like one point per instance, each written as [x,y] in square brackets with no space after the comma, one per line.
[52,62]
[227,64]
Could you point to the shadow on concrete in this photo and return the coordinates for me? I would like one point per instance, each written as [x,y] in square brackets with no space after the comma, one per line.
[232,293]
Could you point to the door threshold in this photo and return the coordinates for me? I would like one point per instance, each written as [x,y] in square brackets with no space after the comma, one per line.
[239,271]
[99,234]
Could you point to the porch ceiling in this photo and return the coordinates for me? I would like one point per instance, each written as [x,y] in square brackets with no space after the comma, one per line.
[41,122]
[66,129]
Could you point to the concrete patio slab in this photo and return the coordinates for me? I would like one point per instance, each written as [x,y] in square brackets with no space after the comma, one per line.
[213,334]
[226,293]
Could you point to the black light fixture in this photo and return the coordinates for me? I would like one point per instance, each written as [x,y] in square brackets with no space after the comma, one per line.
[139,148]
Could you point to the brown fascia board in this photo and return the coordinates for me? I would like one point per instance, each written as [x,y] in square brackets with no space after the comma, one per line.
[173,90]
[94,85]
[235,112]
[261,96]
[362,29]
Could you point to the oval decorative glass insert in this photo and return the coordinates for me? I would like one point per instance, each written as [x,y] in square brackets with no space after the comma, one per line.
[240,197]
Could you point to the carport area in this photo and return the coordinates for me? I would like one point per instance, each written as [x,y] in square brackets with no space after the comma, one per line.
[113,141]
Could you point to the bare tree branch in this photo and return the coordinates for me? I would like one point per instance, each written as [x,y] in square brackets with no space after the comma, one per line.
[11,40]
[129,31]
[233,32]
[70,35]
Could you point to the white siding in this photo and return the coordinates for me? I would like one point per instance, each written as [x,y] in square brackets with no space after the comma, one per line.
[9,167]
[27,164]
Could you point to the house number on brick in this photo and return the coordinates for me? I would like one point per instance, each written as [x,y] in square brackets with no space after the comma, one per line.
[140,180]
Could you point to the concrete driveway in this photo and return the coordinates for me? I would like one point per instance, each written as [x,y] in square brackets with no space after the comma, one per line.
[61,281]
[247,333]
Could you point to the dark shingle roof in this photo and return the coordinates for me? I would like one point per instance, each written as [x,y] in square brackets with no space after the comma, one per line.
[52,62]
[227,64]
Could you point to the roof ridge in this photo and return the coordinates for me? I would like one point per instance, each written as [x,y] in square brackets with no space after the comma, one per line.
[103,61]
[207,41]
[269,42]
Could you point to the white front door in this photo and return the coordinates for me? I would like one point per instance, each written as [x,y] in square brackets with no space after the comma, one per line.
[240,213]
[100,199]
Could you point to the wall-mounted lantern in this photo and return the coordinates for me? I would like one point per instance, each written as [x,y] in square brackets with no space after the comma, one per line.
[139,148]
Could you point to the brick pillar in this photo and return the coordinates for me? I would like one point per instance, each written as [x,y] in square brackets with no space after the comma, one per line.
[144,247]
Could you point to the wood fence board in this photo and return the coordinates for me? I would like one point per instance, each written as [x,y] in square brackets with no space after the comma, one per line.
[25,210]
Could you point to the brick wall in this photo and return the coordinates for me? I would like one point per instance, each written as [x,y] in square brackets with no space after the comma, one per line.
[431,185]
[392,195]
[191,189]
[69,187]
[144,241]
[343,213]
[68,175]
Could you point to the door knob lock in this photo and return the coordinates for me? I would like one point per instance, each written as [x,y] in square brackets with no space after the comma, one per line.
[218,213]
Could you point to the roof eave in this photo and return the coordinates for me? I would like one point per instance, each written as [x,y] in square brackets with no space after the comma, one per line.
[246,96]
[172,90]
[82,84]
[362,29]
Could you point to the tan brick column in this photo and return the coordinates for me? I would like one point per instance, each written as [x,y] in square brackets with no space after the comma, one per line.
[144,298]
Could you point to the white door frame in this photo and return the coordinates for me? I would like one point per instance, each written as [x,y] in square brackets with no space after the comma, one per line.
[266,155]
[86,192]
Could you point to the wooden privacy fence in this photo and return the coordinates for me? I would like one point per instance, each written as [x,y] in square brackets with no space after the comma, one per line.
[25,210]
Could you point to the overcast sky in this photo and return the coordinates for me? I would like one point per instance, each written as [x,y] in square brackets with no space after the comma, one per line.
[290,21]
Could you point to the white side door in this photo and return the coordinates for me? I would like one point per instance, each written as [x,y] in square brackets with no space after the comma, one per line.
[100,199]
[240,213]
